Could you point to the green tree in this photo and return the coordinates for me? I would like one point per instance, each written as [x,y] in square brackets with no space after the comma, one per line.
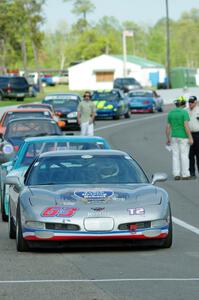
[82,7]
[21,36]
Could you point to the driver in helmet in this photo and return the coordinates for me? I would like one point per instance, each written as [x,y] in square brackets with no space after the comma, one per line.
[109,169]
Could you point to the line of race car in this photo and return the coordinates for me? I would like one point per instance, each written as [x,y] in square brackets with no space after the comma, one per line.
[62,190]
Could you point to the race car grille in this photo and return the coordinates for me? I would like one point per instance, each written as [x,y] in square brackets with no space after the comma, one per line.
[139,225]
[59,226]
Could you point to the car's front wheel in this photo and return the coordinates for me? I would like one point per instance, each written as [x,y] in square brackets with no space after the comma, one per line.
[21,244]
[167,242]
[3,211]
[11,226]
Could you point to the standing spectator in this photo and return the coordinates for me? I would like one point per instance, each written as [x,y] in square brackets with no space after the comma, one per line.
[179,137]
[194,127]
[86,114]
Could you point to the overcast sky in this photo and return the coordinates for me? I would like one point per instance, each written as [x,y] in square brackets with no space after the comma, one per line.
[139,11]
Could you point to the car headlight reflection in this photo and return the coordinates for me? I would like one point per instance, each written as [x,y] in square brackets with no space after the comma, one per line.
[35,224]
[72,115]
[159,223]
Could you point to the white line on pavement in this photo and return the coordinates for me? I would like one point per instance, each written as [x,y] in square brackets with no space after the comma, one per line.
[185,225]
[97,280]
[129,122]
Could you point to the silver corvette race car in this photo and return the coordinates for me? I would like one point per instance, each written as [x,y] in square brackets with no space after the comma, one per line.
[75,196]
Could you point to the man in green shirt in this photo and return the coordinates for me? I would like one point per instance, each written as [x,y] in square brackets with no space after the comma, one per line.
[179,137]
[86,115]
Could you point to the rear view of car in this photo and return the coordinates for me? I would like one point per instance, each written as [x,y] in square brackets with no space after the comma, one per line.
[15,87]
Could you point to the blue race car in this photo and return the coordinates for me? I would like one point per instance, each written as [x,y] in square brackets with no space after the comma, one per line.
[32,147]
[145,101]
[112,103]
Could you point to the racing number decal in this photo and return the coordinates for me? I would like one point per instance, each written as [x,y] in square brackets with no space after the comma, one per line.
[59,211]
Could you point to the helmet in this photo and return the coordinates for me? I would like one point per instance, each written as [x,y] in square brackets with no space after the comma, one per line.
[180,101]
[109,169]
[192,99]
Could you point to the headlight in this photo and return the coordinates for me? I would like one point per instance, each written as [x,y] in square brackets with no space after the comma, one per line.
[8,149]
[159,223]
[72,115]
[35,224]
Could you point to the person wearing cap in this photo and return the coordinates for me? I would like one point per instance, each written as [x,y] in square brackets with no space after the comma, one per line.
[86,114]
[179,137]
[193,111]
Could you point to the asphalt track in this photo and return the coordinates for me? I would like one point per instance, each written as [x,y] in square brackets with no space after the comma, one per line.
[107,274]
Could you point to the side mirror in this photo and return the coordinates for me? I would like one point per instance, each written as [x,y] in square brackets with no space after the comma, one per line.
[13,180]
[159,177]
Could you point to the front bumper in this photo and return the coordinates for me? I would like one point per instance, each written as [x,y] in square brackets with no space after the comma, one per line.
[52,235]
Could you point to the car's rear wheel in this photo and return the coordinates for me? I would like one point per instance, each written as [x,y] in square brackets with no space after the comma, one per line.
[11,226]
[21,244]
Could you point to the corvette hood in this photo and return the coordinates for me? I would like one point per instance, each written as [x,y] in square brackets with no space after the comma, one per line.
[142,194]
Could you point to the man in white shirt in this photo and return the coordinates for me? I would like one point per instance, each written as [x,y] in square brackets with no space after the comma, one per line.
[193,111]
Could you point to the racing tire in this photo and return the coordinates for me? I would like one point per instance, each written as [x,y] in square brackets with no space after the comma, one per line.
[11,226]
[167,242]
[21,244]
[127,115]
[3,212]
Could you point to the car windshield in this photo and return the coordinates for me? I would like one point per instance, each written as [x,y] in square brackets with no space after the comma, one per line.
[110,96]
[86,169]
[25,114]
[140,94]
[36,106]
[128,81]
[34,149]
[64,101]
[32,127]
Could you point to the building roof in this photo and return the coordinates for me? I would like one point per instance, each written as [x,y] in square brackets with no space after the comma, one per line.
[145,63]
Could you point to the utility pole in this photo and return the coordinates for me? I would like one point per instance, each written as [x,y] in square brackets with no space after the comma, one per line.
[167,45]
[125,34]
